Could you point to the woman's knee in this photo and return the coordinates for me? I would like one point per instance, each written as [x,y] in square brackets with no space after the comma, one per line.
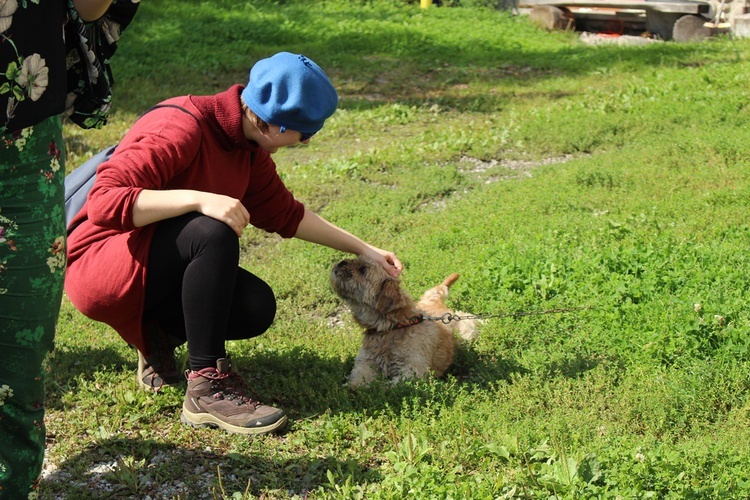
[266,308]
[253,309]
[206,233]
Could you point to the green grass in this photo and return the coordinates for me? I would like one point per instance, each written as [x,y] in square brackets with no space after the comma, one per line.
[548,174]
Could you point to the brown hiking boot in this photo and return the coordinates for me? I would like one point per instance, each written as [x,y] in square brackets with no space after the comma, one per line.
[159,369]
[218,397]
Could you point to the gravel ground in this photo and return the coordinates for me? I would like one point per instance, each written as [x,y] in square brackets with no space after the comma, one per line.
[100,479]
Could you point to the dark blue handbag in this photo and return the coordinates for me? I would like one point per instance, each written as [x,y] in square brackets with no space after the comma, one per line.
[78,183]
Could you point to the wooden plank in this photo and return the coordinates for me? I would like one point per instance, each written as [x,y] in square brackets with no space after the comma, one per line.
[673,6]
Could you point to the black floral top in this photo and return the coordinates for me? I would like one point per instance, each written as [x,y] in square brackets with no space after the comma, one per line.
[32,61]
[51,62]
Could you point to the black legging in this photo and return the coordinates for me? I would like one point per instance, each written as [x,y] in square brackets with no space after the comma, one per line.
[196,291]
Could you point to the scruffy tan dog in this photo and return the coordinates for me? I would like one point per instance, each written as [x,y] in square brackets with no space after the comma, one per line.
[398,342]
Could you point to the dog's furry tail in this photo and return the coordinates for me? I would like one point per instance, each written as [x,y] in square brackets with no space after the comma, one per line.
[450,279]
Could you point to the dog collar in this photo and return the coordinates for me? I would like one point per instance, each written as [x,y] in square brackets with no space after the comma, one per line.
[415,320]
[411,322]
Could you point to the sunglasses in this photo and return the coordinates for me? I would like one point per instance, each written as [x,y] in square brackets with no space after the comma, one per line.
[303,135]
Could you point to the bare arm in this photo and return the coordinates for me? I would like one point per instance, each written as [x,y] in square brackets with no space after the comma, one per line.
[153,206]
[91,10]
[315,229]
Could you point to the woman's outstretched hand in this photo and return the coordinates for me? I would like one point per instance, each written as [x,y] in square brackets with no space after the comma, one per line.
[387,260]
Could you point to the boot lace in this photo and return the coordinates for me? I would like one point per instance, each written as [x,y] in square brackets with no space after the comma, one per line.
[230,387]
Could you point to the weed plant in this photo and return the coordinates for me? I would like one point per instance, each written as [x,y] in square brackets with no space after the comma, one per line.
[549,174]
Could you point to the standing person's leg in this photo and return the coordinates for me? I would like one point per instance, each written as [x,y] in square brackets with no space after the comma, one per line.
[32,270]
[193,285]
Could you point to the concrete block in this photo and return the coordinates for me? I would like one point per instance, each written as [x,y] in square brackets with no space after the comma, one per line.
[741,26]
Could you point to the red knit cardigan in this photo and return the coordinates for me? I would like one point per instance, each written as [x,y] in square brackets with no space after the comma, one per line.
[166,149]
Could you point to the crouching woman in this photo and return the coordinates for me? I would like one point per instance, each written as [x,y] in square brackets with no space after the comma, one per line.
[154,252]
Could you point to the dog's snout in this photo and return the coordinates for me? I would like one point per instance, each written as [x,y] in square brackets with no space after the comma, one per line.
[341,270]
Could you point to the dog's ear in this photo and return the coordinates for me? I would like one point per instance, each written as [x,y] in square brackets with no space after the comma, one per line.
[390,297]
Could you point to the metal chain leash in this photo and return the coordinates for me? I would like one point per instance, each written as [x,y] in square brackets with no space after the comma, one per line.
[448,317]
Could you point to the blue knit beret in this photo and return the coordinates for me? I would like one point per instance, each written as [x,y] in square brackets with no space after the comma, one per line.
[290,90]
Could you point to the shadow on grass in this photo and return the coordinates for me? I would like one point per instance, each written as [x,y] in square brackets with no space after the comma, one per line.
[70,364]
[573,366]
[142,468]
[306,385]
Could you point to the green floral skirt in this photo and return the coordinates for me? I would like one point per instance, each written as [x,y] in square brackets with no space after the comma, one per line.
[32,270]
